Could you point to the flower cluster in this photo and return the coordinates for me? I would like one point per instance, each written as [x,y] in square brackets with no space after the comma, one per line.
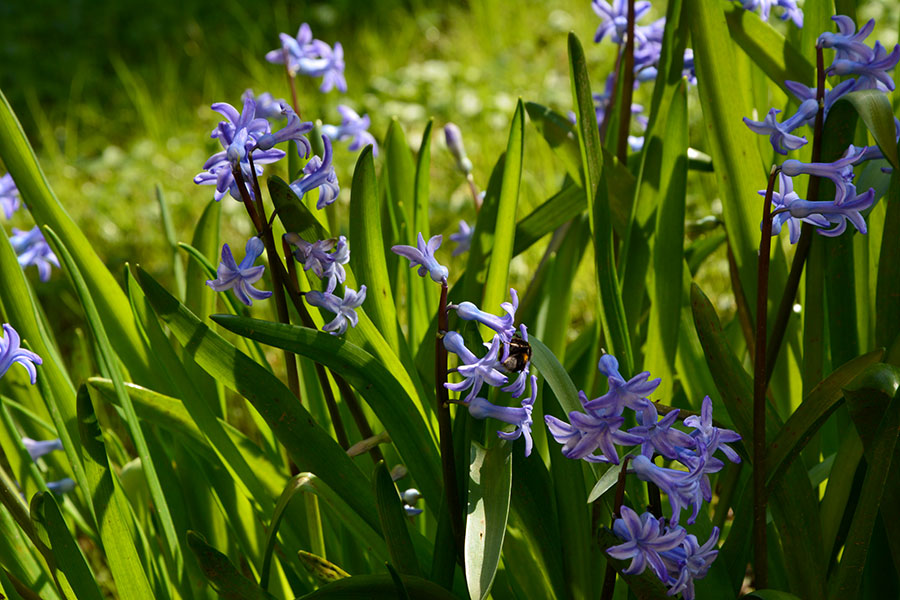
[870,65]
[326,258]
[791,11]
[314,58]
[33,250]
[245,133]
[674,555]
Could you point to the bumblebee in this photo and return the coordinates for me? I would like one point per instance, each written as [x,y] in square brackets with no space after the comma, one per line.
[519,355]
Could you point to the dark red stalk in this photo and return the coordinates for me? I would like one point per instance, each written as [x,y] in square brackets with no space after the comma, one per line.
[609,579]
[627,83]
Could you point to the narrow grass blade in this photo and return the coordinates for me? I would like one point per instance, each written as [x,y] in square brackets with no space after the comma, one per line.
[394,522]
[490,480]
[115,523]
[887,294]
[612,311]
[379,587]
[496,289]
[306,443]
[109,357]
[54,532]
[423,298]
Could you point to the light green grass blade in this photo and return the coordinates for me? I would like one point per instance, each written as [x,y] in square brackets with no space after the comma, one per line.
[54,532]
[114,521]
[612,311]
[668,247]
[496,289]
[394,522]
[734,148]
[307,444]
[777,57]
[490,481]
[17,154]
[367,249]
[108,356]
[378,386]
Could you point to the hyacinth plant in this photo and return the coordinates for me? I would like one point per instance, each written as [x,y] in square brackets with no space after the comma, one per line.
[355,410]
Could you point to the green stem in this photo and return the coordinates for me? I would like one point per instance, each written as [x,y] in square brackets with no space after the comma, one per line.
[759,393]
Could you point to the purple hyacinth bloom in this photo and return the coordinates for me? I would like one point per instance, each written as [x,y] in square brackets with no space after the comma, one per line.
[9,196]
[301,46]
[454,140]
[784,199]
[808,94]
[840,172]
[615,18]
[872,73]
[62,486]
[644,541]
[240,278]
[658,434]
[475,371]
[343,308]
[684,489]
[847,42]
[319,173]
[837,213]
[791,11]
[294,130]
[326,258]
[780,133]
[352,126]
[423,257]
[11,353]
[32,249]
[267,105]
[480,408]
[588,432]
[712,437]
[690,561]
[38,448]
[633,393]
[462,238]
[311,57]
[504,325]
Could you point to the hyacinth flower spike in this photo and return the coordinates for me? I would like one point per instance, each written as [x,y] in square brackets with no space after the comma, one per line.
[240,277]
[32,249]
[476,371]
[11,353]
[343,308]
[480,408]
[352,126]
[847,44]
[319,173]
[423,257]
[9,196]
[644,540]
[840,172]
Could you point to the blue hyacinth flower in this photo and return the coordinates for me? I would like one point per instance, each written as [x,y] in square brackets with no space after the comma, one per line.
[240,277]
[343,308]
[11,353]
[33,250]
[645,538]
[423,256]
[9,196]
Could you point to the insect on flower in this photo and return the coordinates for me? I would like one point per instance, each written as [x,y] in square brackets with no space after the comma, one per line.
[519,355]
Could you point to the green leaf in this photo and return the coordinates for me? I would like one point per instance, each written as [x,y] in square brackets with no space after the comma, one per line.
[399,178]
[221,574]
[394,522]
[490,480]
[734,148]
[668,246]
[775,56]
[496,289]
[206,242]
[880,455]
[109,357]
[115,523]
[292,213]
[18,156]
[367,258]
[612,311]
[308,445]
[52,530]
[379,587]
[815,409]
[422,298]
[605,483]
[323,570]
[381,390]
[887,295]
